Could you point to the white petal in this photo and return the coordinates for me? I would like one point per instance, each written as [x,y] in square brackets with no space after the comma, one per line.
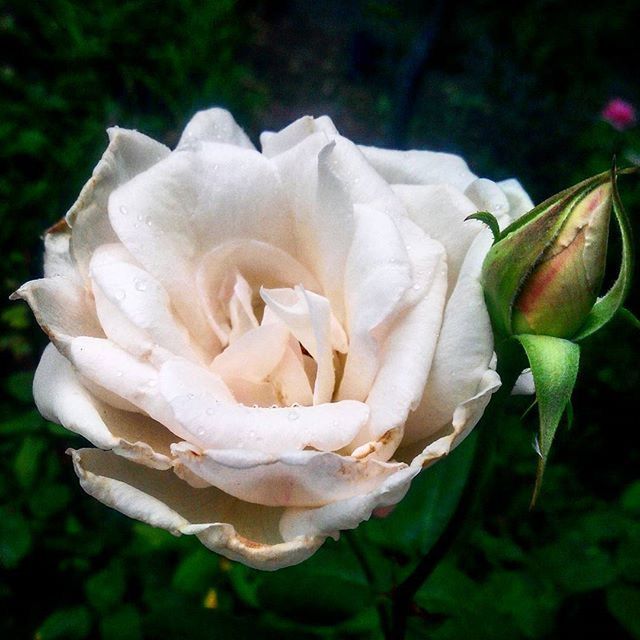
[128,154]
[378,274]
[440,211]
[134,309]
[407,353]
[62,308]
[274,144]
[524,385]
[339,515]
[235,529]
[308,316]
[302,478]
[214,125]
[171,215]
[258,263]
[210,420]
[123,375]
[289,379]
[254,355]
[519,200]
[464,351]
[61,398]
[419,167]
[488,196]
[58,262]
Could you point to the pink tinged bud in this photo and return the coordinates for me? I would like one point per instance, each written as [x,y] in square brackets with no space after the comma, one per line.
[619,113]
[562,288]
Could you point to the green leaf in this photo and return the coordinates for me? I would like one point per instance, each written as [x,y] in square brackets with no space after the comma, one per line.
[15,538]
[490,220]
[554,365]
[18,385]
[329,588]
[196,572]
[630,499]
[419,519]
[608,305]
[624,605]
[123,624]
[105,589]
[66,624]
[49,500]
[25,464]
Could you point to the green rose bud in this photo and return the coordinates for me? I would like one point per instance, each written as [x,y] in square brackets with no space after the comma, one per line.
[544,273]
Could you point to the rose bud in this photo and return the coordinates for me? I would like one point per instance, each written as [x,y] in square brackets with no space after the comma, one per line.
[544,274]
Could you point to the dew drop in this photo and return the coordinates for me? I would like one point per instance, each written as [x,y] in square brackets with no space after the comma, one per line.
[149,222]
[416,287]
[293,415]
[119,374]
[123,210]
[200,431]
[121,294]
[191,396]
[210,411]
[141,285]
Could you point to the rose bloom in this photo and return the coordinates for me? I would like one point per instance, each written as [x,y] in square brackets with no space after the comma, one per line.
[264,347]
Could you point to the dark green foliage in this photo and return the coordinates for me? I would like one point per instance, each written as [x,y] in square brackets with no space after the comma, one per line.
[516,92]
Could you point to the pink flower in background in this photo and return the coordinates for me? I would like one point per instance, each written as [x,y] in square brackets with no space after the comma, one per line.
[619,113]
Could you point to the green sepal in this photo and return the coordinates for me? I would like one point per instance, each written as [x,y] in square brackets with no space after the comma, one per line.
[522,245]
[630,317]
[554,365]
[490,220]
[608,305]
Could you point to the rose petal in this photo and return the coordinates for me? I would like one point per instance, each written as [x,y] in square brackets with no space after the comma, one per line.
[214,125]
[254,355]
[134,309]
[488,196]
[419,167]
[308,316]
[210,420]
[405,360]
[377,275]
[302,478]
[61,398]
[519,200]
[128,154]
[171,215]
[464,352]
[237,530]
[440,211]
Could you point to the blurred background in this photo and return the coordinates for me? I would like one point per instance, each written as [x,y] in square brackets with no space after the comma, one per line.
[518,92]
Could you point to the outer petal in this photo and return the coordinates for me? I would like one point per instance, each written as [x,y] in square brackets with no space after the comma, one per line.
[171,215]
[128,154]
[464,353]
[419,167]
[214,125]
[300,478]
[210,420]
[518,198]
[235,529]
[61,398]
[440,210]
[405,360]
[332,518]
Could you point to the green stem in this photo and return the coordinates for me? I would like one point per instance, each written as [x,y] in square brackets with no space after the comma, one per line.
[511,363]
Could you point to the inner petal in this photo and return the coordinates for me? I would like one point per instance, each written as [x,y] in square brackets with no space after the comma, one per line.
[308,316]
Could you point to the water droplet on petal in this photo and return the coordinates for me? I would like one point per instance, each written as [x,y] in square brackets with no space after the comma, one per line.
[293,415]
[191,396]
[209,411]
[141,285]
[121,294]
[119,374]
[123,210]
[149,222]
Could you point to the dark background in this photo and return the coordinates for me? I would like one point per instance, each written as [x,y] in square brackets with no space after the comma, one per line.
[517,91]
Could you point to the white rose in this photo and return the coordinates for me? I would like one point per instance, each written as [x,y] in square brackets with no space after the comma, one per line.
[265,347]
